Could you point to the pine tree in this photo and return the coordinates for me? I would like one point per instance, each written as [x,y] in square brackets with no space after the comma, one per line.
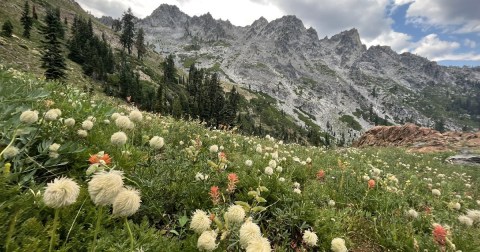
[26,20]
[140,44]
[128,32]
[52,59]
[169,71]
[59,26]
[116,25]
[177,108]
[7,29]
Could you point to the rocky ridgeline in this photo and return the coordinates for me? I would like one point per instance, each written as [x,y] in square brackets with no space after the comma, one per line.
[419,139]
[328,78]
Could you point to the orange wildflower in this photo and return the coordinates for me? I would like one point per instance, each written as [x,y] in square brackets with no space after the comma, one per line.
[96,158]
[215,194]
[371,184]
[440,235]
[321,174]
[232,181]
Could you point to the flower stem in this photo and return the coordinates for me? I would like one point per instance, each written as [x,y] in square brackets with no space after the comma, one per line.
[54,229]
[130,233]
[11,229]
[97,227]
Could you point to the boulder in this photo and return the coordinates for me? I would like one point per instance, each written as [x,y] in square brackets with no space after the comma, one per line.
[418,139]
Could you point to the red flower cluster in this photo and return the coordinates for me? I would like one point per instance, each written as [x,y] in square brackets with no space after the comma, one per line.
[215,195]
[371,184]
[320,175]
[440,235]
[232,182]
[96,158]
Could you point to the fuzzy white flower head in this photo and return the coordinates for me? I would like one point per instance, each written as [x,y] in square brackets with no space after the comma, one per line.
[275,155]
[474,215]
[412,213]
[200,221]
[248,162]
[338,245]
[272,163]
[157,142]
[53,114]
[376,172]
[465,220]
[199,176]
[206,241]
[308,160]
[454,205]
[310,238]
[87,125]
[259,149]
[115,115]
[248,232]
[61,192]
[118,138]
[297,191]
[268,170]
[126,203]
[105,186]
[69,122]
[331,203]
[235,214]
[82,133]
[279,169]
[436,192]
[213,148]
[296,185]
[54,147]
[29,116]
[135,116]
[366,178]
[123,122]
[282,179]
[10,152]
[259,244]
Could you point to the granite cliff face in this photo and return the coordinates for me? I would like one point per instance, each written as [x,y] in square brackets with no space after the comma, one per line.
[336,82]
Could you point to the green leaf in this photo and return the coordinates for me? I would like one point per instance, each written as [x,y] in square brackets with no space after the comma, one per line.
[174,232]
[258,209]
[260,199]
[183,220]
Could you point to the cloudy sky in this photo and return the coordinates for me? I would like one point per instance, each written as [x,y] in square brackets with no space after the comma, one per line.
[447,31]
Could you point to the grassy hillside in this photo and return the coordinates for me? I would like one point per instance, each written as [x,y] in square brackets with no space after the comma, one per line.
[373,199]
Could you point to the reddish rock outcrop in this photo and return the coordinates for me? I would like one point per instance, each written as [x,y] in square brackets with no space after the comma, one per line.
[420,139]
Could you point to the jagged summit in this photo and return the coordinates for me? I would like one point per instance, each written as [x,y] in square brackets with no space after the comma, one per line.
[331,79]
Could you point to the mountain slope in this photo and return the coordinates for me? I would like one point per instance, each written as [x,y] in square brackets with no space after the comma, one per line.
[329,79]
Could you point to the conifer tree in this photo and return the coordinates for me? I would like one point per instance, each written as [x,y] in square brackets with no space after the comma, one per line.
[140,44]
[26,20]
[128,33]
[169,71]
[7,29]
[52,59]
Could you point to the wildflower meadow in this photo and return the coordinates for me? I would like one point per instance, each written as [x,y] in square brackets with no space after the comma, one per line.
[86,172]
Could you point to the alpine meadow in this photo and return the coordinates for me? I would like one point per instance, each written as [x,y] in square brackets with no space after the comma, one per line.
[178,132]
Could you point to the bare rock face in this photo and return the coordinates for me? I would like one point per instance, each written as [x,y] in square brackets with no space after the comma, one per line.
[418,139]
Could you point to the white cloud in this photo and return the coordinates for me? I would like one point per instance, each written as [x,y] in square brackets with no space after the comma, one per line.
[402,2]
[399,42]
[458,16]
[469,43]
[434,48]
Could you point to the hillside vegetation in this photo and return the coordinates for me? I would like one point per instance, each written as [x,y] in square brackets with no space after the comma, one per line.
[210,190]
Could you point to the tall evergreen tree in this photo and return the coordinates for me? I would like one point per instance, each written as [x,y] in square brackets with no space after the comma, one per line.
[59,25]
[169,71]
[52,59]
[140,44]
[7,29]
[128,32]
[116,25]
[26,20]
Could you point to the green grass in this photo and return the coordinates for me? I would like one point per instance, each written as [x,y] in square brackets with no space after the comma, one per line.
[351,122]
[366,218]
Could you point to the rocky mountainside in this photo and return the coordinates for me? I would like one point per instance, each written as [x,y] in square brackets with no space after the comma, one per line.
[337,83]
